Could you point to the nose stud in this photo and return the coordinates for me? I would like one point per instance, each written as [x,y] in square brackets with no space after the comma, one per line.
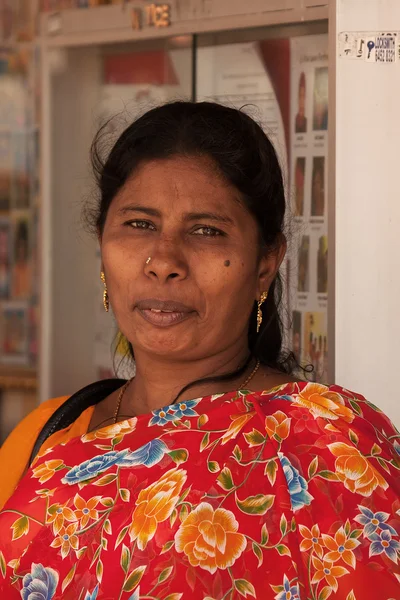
[148,260]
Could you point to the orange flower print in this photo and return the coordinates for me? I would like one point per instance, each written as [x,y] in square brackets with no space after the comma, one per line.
[321,402]
[312,540]
[238,422]
[277,425]
[86,510]
[66,539]
[57,514]
[341,547]
[325,570]
[154,505]
[210,538]
[111,431]
[354,470]
[45,471]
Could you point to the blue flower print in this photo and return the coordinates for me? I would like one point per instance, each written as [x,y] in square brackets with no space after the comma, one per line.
[396,446]
[373,521]
[93,595]
[383,542]
[94,466]
[284,397]
[164,415]
[297,485]
[289,592]
[40,583]
[185,409]
[148,455]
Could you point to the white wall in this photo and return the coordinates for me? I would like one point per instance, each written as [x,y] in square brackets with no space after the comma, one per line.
[74,269]
[367,222]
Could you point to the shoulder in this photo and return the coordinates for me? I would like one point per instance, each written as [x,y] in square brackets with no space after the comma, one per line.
[352,440]
[33,422]
[338,456]
[24,435]
[16,450]
[330,403]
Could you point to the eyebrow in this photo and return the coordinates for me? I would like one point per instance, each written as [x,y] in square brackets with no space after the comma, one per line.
[193,216]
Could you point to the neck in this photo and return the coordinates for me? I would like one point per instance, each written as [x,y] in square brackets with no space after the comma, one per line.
[158,382]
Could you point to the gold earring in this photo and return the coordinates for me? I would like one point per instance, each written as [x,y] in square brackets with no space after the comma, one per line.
[261,301]
[106,301]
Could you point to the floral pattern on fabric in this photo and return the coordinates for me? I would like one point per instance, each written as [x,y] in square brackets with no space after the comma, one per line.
[290,494]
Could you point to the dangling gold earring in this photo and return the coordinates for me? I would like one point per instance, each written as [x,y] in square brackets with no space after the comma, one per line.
[261,301]
[106,301]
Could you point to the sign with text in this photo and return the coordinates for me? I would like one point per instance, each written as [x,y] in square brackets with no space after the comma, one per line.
[376,47]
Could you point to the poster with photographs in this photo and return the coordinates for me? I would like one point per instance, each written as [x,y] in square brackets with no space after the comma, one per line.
[309,159]
[14,333]
[19,196]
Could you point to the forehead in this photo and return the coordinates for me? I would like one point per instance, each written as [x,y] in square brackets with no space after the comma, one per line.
[180,183]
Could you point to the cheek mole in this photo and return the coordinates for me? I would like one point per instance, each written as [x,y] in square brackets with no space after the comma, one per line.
[227,263]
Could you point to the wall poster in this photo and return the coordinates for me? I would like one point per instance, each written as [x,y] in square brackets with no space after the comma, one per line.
[19,211]
[309,159]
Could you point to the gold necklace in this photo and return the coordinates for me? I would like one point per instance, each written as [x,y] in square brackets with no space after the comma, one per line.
[120,396]
[250,377]
[125,386]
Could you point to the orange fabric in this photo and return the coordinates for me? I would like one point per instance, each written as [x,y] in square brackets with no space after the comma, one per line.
[16,450]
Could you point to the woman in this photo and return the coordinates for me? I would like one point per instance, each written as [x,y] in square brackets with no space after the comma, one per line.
[213,473]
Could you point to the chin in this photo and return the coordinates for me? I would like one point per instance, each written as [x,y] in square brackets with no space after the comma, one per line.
[163,344]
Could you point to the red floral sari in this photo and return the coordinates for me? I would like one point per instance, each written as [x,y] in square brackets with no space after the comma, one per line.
[287,494]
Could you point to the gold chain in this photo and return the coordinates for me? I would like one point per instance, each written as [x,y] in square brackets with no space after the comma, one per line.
[120,396]
[125,386]
[250,377]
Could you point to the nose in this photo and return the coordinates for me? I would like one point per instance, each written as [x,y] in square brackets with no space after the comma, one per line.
[167,263]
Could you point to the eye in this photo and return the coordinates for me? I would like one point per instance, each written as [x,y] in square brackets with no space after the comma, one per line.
[143,225]
[208,231]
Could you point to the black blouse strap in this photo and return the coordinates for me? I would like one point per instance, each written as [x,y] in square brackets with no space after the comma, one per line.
[72,408]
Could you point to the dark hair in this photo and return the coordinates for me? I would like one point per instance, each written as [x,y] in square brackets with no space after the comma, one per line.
[244,156]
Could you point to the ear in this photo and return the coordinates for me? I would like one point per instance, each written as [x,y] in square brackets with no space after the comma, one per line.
[270,263]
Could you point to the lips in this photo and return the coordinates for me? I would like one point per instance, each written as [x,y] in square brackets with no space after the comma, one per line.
[163,313]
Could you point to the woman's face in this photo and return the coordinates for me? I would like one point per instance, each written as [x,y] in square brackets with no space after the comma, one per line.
[204,251]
